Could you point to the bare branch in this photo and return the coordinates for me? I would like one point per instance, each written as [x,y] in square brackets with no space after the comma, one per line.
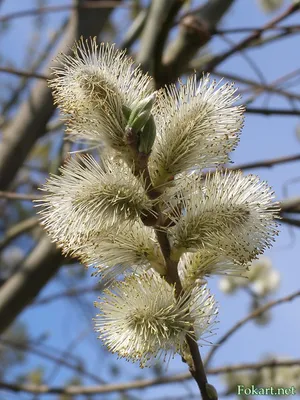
[69,293]
[141,384]
[290,221]
[17,230]
[22,287]
[30,122]
[54,9]
[291,205]
[252,37]
[194,33]
[257,86]
[52,357]
[19,196]
[285,28]
[159,14]
[266,163]
[249,317]
[25,74]
[134,30]
[271,111]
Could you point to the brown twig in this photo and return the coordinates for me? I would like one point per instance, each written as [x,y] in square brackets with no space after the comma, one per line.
[291,205]
[140,168]
[33,67]
[19,196]
[25,74]
[17,230]
[31,348]
[54,9]
[257,86]
[68,293]
[249,317]
[286,28]
[140,384]
[266,163]
[272,111]
[290,221]
[252,37]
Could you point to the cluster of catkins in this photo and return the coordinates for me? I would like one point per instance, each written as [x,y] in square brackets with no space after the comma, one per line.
[262,279]
[154,215]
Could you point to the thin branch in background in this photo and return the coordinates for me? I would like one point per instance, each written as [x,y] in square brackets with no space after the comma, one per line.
[24,74]
[159,19]
[293,8]
[69,293]
[273,84]
[257,312]
[36,64]
[54,126]
[134,30]
[53,9]
[257,86]
[290,221]
[19,196]
[266,163]
[248,60]
[283,80]
[16,230]
[193,34]
[144,383]
[290,205]
[272,111]
[66,362]
[65,354]
[256,29]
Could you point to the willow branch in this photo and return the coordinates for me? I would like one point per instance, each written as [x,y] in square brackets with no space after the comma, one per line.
[252,37]
[24,285]
[157,18]
[140,169]
[69,293]
[29,122]
[30,348]
[266,163]
[257,86]
[144,383]
[291,205]
[272,111]
[22,73]
[194,33]
[16,230]
[54,9]
[248,318]
[256,29]
[19,196]
[290,221]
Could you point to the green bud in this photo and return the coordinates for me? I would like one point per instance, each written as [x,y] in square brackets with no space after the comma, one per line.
[147,136]
[140,121]
[144,105]
[126,112]
[211,392]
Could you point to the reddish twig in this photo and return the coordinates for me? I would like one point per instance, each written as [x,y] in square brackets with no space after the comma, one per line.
[252,37]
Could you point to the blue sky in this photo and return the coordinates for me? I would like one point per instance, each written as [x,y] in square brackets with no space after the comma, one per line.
[263,137]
